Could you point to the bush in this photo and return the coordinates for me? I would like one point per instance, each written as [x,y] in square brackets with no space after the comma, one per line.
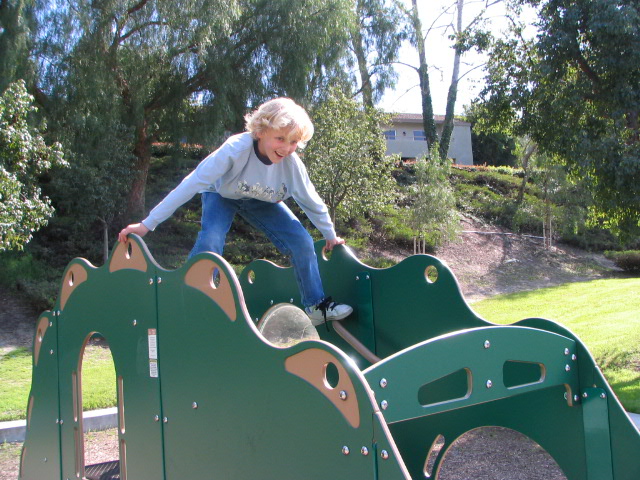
[628,260]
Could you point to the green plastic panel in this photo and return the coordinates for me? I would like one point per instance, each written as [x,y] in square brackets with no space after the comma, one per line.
[201,393]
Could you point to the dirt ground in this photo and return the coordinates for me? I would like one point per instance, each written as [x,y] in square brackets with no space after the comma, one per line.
[486,262]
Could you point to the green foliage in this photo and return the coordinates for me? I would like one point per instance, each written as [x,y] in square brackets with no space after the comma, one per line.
[346,158]
[432,212]
[628,260]
[575,90]
[24,157]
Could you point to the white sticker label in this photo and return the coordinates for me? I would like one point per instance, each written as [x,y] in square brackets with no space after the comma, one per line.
[153,368]
[153,344]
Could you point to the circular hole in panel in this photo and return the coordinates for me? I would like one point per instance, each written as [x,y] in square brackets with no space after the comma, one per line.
[215,278]
[251,276]
[331,375]
[129,250]
[71,279]
[431,274]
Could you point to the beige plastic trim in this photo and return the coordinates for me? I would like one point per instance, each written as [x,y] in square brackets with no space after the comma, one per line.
[128,255]
[311,365]
[76,274]
[200,277]
[41,330]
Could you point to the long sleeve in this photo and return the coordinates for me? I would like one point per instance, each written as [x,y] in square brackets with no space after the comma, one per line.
[206,174]
[305,195]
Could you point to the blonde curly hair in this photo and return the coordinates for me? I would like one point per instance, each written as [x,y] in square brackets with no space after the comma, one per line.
[281,113]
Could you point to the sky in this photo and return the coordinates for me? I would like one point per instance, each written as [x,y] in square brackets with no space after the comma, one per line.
[405,98]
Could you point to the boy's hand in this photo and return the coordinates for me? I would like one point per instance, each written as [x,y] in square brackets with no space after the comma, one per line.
[137,228]
[332,243]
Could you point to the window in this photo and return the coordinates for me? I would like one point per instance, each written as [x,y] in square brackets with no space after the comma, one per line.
[390,134]
[419,136]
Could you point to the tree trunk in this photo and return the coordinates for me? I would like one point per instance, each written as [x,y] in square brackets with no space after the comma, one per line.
[365,78]
[428,121]
[447,128]
[530,149]
[142,151]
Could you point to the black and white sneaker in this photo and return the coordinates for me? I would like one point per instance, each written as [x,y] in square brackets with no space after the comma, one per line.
[327,311]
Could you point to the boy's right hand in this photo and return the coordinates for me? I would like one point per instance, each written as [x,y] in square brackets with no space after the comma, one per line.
[137,228]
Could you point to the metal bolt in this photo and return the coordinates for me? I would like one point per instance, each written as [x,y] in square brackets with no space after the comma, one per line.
[194,405]
[489,384]
[487,344]
[364,451]
[567,368]
[151,281]
[585,395]
[135,322]
[271,302]
[367,277]
[156,418]
[384,454]
[57,420]
[603,395]
[574,357]
[357,277]
[384,404]
[566,351]
[345,450]
[50,352]
[383,382]
[44,459]
[342,395]
[291,300]
[576,398]
[61,422]
[51,324]
[159,279]
[165,420]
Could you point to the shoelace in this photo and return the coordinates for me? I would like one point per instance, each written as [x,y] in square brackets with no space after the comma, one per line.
[323,306]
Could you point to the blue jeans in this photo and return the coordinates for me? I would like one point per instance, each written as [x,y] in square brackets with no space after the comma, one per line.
[277,222]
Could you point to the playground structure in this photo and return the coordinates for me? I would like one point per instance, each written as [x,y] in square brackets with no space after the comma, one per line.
[203,393]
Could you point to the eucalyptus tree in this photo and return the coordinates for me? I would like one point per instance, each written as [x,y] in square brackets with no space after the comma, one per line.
[465,36]
[140,64]
[376,36]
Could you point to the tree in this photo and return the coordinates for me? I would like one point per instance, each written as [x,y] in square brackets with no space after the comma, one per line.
[24,156]
[575,89]
[433,213]
[150,60]
[375,40]
[346,160]
[464,37]
[14,41]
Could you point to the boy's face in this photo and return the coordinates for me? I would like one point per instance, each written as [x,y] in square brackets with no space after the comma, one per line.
[276,144]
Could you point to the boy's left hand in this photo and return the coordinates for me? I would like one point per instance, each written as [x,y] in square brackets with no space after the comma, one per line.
[332,243]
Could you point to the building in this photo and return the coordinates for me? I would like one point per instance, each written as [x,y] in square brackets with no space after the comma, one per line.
[406,137]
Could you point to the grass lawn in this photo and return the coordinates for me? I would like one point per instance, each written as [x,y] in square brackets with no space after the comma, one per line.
[604,314]
[98,381]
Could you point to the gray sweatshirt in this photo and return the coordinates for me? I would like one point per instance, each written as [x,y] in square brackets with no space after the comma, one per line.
[234,171]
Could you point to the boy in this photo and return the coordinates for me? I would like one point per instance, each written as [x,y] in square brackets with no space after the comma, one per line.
[251,174]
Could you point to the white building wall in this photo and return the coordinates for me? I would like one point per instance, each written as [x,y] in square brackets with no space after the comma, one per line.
[408,147]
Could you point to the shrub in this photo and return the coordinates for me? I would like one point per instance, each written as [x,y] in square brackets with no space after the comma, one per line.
[628,260]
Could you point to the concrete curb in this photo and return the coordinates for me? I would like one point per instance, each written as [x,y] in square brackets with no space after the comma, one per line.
[97,420]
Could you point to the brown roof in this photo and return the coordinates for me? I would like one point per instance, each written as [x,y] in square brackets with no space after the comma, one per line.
[417,118]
